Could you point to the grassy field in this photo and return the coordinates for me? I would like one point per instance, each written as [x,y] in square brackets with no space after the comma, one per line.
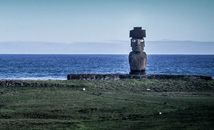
[109,104]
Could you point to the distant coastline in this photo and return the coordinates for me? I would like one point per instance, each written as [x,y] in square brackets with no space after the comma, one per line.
[168,47]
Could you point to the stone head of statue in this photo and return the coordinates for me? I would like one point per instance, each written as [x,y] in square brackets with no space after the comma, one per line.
[137,44]
[137,41]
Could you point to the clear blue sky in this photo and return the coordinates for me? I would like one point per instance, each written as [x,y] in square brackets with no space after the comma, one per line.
[70,21]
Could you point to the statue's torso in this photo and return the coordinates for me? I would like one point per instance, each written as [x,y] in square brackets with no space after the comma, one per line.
[137,60]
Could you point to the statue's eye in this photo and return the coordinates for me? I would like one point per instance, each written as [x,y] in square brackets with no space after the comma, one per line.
[133,40]
[141,40]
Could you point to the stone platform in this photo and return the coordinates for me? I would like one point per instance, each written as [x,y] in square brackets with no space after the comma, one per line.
[131,76]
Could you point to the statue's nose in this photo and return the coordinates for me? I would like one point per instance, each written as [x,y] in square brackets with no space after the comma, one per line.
[138,42]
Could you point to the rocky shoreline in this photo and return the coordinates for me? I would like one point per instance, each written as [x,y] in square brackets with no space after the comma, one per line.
[24,83]
[131,76]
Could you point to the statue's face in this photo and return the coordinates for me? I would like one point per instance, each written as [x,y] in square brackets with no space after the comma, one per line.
[137,44]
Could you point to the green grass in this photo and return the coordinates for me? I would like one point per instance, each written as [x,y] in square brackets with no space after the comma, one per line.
[109,104]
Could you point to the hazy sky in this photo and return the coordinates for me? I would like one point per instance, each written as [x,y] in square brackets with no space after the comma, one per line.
[98,20]
[70,21]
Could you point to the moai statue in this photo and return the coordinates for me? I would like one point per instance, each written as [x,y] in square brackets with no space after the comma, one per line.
[137,57]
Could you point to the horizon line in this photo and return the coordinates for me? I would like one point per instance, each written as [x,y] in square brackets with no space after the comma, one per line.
[93,54]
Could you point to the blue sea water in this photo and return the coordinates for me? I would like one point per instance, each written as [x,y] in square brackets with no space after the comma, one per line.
[46,67]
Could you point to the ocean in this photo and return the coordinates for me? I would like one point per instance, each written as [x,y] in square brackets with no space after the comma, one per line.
[56,67]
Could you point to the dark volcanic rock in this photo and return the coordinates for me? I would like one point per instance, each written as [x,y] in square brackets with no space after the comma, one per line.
[20,83]
[132,76]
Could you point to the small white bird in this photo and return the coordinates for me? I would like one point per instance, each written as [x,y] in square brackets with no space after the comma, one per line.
[148,89]
[160,113]
[83,89]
